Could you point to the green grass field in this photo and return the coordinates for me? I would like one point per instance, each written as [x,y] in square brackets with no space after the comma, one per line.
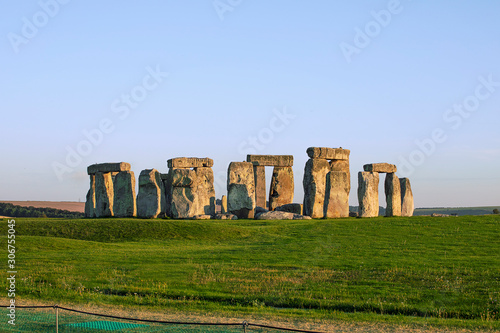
[419,270]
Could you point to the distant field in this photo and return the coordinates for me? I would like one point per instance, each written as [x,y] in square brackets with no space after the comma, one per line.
[419,270]
[457,210]
[64,205]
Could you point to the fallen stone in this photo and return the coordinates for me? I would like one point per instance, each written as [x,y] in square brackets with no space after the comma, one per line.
[278,215]
[282,187]
[226,217]
[368,194]
[190,162]
[392,195]
[241,189]
[259,210]
[183,177]
[380,168]
[407,203]
[315,187]
[337,194]
[124,204]
[104,194]
[294,208]
[90,200]
[151,198]
[271,160]
[202,217]
[108,167]
[328,153]
[353,214]
[439,215]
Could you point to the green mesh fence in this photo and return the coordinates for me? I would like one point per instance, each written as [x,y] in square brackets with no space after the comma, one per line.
[43,319]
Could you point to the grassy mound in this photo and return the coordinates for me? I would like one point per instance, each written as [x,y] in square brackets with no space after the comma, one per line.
[432,268]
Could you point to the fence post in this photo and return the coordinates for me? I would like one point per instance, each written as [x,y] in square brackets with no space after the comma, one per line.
[57,318]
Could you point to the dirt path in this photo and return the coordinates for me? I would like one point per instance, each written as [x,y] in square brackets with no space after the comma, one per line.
[304,324]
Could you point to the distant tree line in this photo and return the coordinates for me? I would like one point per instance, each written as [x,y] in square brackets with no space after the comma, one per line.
[8,209]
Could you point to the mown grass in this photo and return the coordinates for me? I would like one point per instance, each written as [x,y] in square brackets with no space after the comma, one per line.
[443,271]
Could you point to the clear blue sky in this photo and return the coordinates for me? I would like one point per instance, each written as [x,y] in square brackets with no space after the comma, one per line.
[375,77]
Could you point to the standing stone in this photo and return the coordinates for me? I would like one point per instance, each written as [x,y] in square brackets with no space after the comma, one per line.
[182,205]
[407,203]
[90,202]
[368,194]
[338,186]
[104,195]
[181,193]
[223,208]
[167,187]
[241,189]
[151,197]
[315,187]
[392,195]
[124,204]
[260,185]
[204,194]
[282,187]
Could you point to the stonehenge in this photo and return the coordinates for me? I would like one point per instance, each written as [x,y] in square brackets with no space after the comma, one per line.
[187,190]
[398,195]
[112,191]
[327,183]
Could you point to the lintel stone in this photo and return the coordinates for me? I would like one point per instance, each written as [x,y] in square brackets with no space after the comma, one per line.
[108,167]
[271,160]
[190,162]
[328,153]
[380,168]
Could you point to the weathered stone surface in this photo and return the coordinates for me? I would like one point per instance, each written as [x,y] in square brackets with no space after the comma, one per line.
[183,177]
[271,160]
[124,204]
[315,187]
[204,193]
[341,165]
[190,162]
[151,198]
[104,194]
[241,189]
[392,195]
[380,168]
[259,173]
[279,215]
[182,205]
[282,187]
[353,214]
[223,208]
[337,194]
[294,208]
[226,217]
[90,202]
[407,204]
[108,167]
[368,194]
[328,153]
